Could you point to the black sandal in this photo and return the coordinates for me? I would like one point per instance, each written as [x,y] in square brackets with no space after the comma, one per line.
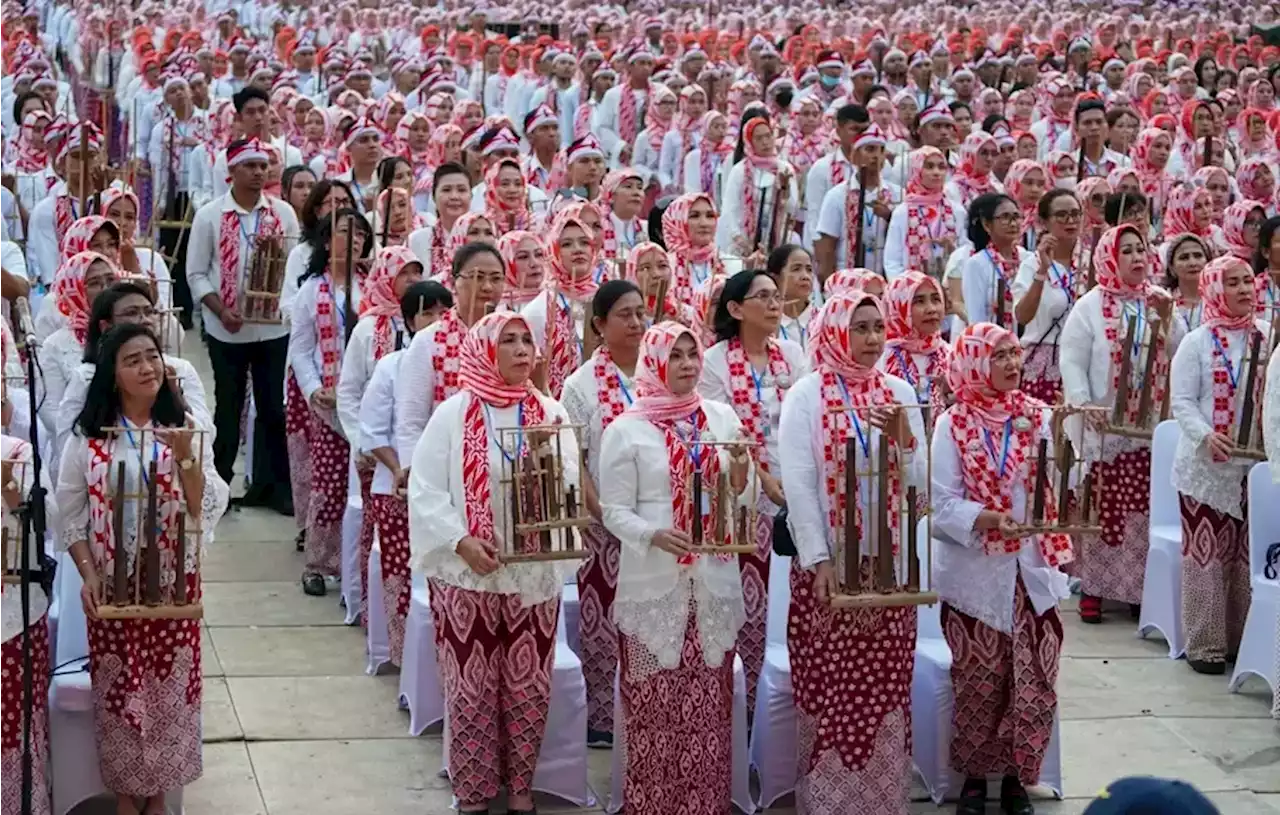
[1014,799]
[313,585]
[973,797]
[300,542]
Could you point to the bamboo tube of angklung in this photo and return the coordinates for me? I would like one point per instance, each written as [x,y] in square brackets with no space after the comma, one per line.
[1064,483]
[1247,407]
[544,481]
[998,311]
[120,575]
[152,520]
[1126,363]
[852,534]
[1148,376]
[1041,483]
[180,563]
[885,537]
[721,528]
[697,506]
[1086,498]
[913,540]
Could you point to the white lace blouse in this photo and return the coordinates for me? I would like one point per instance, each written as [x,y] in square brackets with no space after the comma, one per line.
[801,435]
[965,576]
[654,590]
[1195,474]
[581,400]
[11,602]
[438,503]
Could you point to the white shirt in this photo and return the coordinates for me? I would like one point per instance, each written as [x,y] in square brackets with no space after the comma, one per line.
[204,271]
[192,163]
[1051,312]
[671,159]
[654,590]
[732,217]
[817,185]
[693,174]
[415,391]
[803,476]
[980,284]
[895,250]
[606,121]
[832,223]
[219,185]
[305,354]
[966,577]
[437,502]
[377,418]
[357,370]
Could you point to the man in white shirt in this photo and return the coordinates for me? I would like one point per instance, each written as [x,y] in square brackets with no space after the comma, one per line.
[251,115]
[610,126]
[224,236]
[837,166]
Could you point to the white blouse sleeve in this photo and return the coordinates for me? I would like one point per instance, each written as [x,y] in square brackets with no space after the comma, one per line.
[72,494]
[1184,382]
[953,514]
[302,340]
[895,245]
[1075,349]
[620,487]
[802,474]
[434,521]
[354,378]
[714,383]
[415,394]
[377,407]
[976,288]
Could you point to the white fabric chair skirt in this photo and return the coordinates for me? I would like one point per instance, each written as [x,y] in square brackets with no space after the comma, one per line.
[73,753]
[562,762]
[1260,645]
[1162,583]
[420,689]
[774,735]
[378,647]
[932,703]
[352,517]
[740,792]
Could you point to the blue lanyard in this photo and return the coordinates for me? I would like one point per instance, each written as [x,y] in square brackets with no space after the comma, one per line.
[155,451]
[1004,451]
[338,308]
[1066,280]
[1192,316]
[757,380]
[782,329]
[1139,315]
[1232,373]
[914,381]
[510,457]
[694,442]
[700,278]
[564,303]
[257,221]
[626,392]
[864,440]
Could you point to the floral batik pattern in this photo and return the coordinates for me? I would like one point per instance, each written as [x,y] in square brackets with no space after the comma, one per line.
[597,586]
[391,515]
[1115,562]
[1215,580]
[11,729]
[329,455]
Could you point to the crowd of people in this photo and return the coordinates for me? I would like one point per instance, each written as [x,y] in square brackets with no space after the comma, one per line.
[713,245]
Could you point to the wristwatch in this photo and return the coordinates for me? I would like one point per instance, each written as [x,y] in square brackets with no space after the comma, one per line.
[186,464]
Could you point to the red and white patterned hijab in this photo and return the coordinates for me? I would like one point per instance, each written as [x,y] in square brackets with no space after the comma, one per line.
[655,400]
[80,233]
[378,299]
[478,372]
[1218,319]
[69,292]
[930,216]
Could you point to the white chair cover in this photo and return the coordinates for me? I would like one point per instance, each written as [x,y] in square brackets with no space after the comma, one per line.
[352,517]
[774,734]
[1260,645]
[420,689]
[1162,584]
[378,648]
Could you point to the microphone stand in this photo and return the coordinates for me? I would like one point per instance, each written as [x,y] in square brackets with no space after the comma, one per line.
[31,513]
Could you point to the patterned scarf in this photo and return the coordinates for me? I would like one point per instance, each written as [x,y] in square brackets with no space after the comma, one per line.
[1218,319]
[654,122]
[331,323]
[608,387]
[870,220]
[504,217]
[804,149]
[995,433]
[1014,183]
[706,150]
[64,214]
[675,233]
[563,289]
[671,310]
[1179,215]
[970,182]
[1248,177]
[1115,294]
[32,156]
[479,377]
[266,223]
[929,214]
[378,300]
[1153,179]
[608,190]
[848,392]
[519,291]
[628,119]
[1233,221]
[745,393]
[666,410]
[752,163]
[445,348]
[904,341]
[80,234]
[69,295]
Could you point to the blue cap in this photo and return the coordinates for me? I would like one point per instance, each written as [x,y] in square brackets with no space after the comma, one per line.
[1144,795]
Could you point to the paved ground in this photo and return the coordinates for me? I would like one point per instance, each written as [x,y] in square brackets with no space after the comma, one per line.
[293,726]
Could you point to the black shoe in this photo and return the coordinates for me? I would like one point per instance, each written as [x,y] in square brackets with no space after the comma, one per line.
[313,585]
[300,542]
[973,797]
[1014,799]
[256,496]
[1231,658]
[1202,666]
[599,739]
[1135,610]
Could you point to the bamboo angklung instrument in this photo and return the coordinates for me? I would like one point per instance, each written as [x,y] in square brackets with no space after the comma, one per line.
[1148,372]
[120,576]
[1041,483]
[1064,484]
[544,508]
[755,240]
[151,522]
[852,542]
[348,321]
[1247,407]
[860,249]
[998,313]
[885,578]
[1126,364]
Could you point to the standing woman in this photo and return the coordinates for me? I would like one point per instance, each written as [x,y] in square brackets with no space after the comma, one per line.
[995,225]
[689,232]
[594,395]
[854,757]
[1000,590]
[915,351]
[678,613]
[750,369]
[495,623]
[145,672]
[558,317]
[525,257]
[1207,393]
[318,335]
[1241,227]
[1092,347]
[1048,284]
[506,197]
[751,192]
[925,226]
[18,480]
[1185,258]
[1150,154]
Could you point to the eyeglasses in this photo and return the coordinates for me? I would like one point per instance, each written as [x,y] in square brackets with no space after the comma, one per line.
[1007,218]
[1253,224]
[769,298]
[989,153]
[483,279]
[1067,216]
[137,313]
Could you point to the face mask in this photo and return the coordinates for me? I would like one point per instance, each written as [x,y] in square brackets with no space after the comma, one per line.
[1065,183]
[829,82]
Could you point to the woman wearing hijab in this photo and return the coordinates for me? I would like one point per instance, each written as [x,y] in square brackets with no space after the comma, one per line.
[488,614]
[659,118]
[1025,183]
[915,351]
[1150,156]
[750,369]
[1257,182]
[1092,349]
[1000,588]
[558,318]
[34,178]
[853,757]
[1189,211]
[1207,391]
[978,154]
[678,613]
[525,258]
[689,227]
[506,197]
[621,199]
[1241,226]
[750,195]
[925,228]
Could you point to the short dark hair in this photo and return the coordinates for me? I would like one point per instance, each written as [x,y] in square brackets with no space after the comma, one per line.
[1262,254]
[852,113]
[421,296]
[982,209]
[609,293]
[992,121]
[956,105]
[1044,207]
[103,311]
[1170,277]
[1088,104]
[1133,201]
[102,400]
[447,169]
[469,252]
[324,233]
[22,100]
[735,291]
[310,223]
[246,95]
